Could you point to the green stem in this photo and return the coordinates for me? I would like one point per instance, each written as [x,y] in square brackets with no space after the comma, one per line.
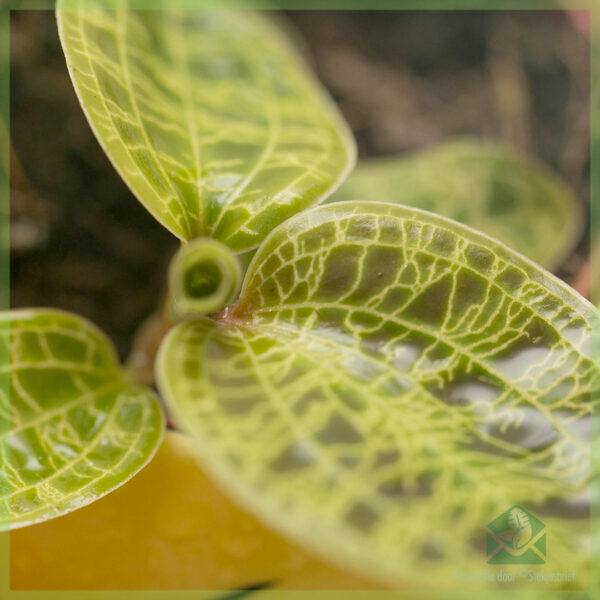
[205,276]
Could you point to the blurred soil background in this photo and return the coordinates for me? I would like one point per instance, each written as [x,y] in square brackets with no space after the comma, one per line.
[404,81]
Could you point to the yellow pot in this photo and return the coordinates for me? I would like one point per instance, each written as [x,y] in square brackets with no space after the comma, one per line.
[169,527]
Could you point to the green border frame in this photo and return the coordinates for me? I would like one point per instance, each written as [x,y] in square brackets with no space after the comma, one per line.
[476,594]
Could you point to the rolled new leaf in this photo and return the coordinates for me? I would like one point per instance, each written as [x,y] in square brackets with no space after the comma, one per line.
[205,276]
[210,117]
[485,185]
[388,383]
[73,427]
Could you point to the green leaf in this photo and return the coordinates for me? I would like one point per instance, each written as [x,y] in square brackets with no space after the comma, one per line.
[73,427]
[487,186]
[210,117]
[389,382]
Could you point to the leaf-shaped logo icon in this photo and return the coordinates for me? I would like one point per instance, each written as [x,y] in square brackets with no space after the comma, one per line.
[520,527]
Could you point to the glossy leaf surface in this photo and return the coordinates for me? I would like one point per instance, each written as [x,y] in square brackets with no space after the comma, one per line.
[388,383]
[73,428]
[487,186]
[210,117]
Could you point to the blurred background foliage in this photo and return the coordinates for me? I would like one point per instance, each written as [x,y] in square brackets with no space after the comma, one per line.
[404,80]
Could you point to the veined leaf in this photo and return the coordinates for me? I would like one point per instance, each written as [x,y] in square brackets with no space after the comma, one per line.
[489,187]
[389,382]
[210,117]
[73,428]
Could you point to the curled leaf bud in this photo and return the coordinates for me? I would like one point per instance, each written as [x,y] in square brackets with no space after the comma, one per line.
[205,276]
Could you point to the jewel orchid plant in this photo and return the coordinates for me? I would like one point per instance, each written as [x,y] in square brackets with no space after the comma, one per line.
[356,363]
